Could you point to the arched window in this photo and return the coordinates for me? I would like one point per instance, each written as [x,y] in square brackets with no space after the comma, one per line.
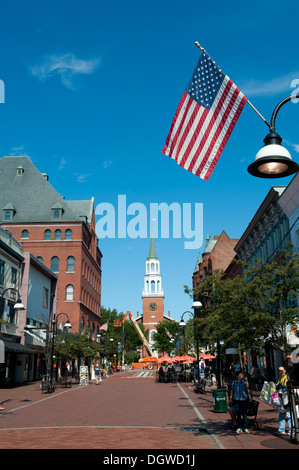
[153,286]
[69,292]
[40,259]
[55,264]
[58,234]
[82,326]
[47,234]
[25,234]
[68,234]
[70,263]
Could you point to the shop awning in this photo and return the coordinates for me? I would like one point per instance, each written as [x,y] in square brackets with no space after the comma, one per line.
[11,347]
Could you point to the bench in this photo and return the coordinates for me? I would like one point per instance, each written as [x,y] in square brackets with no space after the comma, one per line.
[65,381]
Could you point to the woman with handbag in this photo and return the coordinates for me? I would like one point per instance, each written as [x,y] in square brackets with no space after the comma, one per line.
[284,411]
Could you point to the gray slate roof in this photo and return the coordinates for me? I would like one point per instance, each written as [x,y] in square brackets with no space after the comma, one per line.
[33,197]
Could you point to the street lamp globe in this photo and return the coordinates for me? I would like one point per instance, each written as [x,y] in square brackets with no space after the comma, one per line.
[273,160]
[196,304]
[68,324]
[19,305]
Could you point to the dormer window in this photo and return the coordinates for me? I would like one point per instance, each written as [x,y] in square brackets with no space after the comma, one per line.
[20,170]
[57,211]
[8,212]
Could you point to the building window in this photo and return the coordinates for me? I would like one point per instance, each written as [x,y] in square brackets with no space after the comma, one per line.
[47,234]
[68,234]
[8,215]
[71,263]
[57,234]
[13,277]
[69,292]
[40,259]
[11,315]
[55,264]
[46,298]
[25,234]
[2,268]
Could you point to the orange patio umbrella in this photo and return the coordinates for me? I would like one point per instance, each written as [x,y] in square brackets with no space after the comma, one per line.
[187,358]
[165,359]
[207,356]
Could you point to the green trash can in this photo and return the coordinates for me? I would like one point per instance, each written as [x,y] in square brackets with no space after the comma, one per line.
[220,401]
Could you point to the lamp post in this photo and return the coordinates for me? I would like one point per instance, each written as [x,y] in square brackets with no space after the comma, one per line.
[67,325]
[196,304]
[274,160]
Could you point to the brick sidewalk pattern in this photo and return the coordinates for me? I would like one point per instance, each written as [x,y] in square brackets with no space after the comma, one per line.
[127,411]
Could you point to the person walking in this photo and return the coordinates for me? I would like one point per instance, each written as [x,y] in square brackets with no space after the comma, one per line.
[97,372]
[240,395]
[284,412]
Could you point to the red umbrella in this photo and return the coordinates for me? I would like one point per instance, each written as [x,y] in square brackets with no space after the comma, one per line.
[178,358]
[207,356]
[187,358]
[165,359]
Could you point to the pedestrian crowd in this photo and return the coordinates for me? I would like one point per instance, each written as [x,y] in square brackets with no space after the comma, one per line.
[240,398]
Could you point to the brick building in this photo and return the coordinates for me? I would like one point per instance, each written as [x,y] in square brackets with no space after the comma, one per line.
[218,254]
[57,232]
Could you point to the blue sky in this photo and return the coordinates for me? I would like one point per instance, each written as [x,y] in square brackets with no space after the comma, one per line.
[90,92]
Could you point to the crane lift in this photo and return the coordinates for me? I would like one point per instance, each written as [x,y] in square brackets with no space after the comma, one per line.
[146,362]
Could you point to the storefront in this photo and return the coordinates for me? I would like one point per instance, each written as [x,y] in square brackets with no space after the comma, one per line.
[16,366]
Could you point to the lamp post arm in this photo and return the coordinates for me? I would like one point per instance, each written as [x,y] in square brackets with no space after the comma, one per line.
[10,288]
[282,102]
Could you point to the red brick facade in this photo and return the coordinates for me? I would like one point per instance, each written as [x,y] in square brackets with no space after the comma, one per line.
[218,254]
[85,275]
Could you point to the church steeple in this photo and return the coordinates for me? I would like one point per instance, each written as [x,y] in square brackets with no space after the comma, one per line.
[152,250]
[152,278]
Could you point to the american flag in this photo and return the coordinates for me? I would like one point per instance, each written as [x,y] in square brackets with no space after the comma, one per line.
[168,334]
[205,118]
[104,327]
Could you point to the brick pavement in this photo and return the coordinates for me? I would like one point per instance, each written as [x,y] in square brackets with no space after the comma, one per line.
[126,412]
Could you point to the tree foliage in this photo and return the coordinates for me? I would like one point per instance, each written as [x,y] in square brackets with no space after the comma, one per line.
[254,307]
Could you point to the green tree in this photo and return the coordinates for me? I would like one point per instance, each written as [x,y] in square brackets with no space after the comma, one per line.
[252,308]
[162,342]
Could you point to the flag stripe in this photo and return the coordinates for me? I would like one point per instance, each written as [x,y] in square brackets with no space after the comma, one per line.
[175,124]
[208,171]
